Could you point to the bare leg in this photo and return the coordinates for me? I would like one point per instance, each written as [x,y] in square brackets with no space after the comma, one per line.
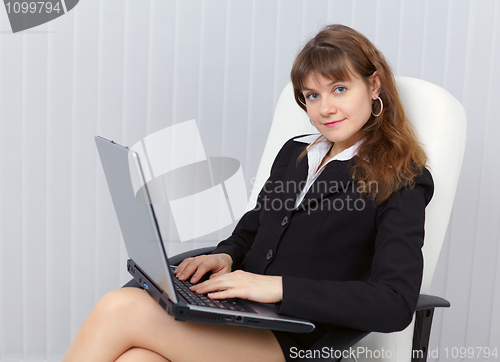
[129,317]
[142,355]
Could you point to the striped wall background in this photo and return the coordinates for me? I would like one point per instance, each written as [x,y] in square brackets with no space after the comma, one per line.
[127,68]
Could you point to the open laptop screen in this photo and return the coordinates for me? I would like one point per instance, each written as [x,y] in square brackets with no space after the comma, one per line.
[136,219]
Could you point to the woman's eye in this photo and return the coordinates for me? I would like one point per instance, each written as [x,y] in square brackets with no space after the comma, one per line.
[312,96]
[339,90]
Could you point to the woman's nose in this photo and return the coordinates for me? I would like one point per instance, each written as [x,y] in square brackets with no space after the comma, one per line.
[327,107]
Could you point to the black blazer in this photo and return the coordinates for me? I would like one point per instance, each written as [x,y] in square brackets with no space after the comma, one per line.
[344,261]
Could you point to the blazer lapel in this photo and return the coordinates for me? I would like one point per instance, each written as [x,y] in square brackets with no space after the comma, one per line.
[335,178]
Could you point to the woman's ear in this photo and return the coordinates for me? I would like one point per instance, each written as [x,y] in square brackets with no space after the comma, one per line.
[376,85]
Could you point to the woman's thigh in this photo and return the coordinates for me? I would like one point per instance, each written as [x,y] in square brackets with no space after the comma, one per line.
[150,327]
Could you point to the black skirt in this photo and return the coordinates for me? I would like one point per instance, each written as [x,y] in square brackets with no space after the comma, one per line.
[293,343]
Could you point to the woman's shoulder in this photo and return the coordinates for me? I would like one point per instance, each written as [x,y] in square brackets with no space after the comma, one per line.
[425,177]
[300,141]
[410,201]
[293,147]
[423,183]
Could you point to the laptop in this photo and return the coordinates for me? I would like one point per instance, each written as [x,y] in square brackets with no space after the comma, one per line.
[148,262]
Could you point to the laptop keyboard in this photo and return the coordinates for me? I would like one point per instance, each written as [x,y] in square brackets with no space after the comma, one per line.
[182,287]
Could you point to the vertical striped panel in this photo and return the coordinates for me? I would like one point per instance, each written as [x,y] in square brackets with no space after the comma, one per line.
[210,88]
[237,58]
[362,23]
[387,31]
[58,188]
[313,18]
[411,39]
[161,56]
[341,12]
[452,266]
[83,161]
[11,191]
[110,113]
[434,50]
[467,207]
[289,38]
[485,254]
[213,34]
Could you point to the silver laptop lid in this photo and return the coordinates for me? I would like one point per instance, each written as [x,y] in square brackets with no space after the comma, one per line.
[137,219]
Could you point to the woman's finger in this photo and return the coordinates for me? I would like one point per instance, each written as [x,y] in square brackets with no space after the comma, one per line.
[212,285]
[224,294]
[180,268]
[188,267]
[204,267]
[200,265]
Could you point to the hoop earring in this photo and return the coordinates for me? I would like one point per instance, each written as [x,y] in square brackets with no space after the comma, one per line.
[381,108]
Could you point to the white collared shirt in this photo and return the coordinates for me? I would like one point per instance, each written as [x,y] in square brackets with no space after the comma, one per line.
[316,153]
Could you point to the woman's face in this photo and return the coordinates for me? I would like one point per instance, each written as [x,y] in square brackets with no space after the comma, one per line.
[339,110]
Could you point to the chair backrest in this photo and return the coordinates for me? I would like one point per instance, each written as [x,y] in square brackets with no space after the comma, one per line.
[440,124]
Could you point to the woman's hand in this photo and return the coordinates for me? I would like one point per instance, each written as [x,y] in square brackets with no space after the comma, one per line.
[240,284]
[218,264]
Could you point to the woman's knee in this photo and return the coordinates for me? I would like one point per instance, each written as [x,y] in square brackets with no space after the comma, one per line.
[141,354]
[122,301]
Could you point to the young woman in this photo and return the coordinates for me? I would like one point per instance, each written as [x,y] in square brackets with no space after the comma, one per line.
[346,251]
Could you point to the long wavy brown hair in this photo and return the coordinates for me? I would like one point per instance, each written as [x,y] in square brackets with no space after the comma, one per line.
[390,153]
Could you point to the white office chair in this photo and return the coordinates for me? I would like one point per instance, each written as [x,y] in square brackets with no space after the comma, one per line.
[440,123]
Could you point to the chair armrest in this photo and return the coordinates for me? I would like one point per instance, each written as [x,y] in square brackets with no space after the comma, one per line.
[431,301]
[423,323]
[177,259]
[341,342]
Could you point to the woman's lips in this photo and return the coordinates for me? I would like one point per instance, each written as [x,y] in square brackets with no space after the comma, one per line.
[334,123]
